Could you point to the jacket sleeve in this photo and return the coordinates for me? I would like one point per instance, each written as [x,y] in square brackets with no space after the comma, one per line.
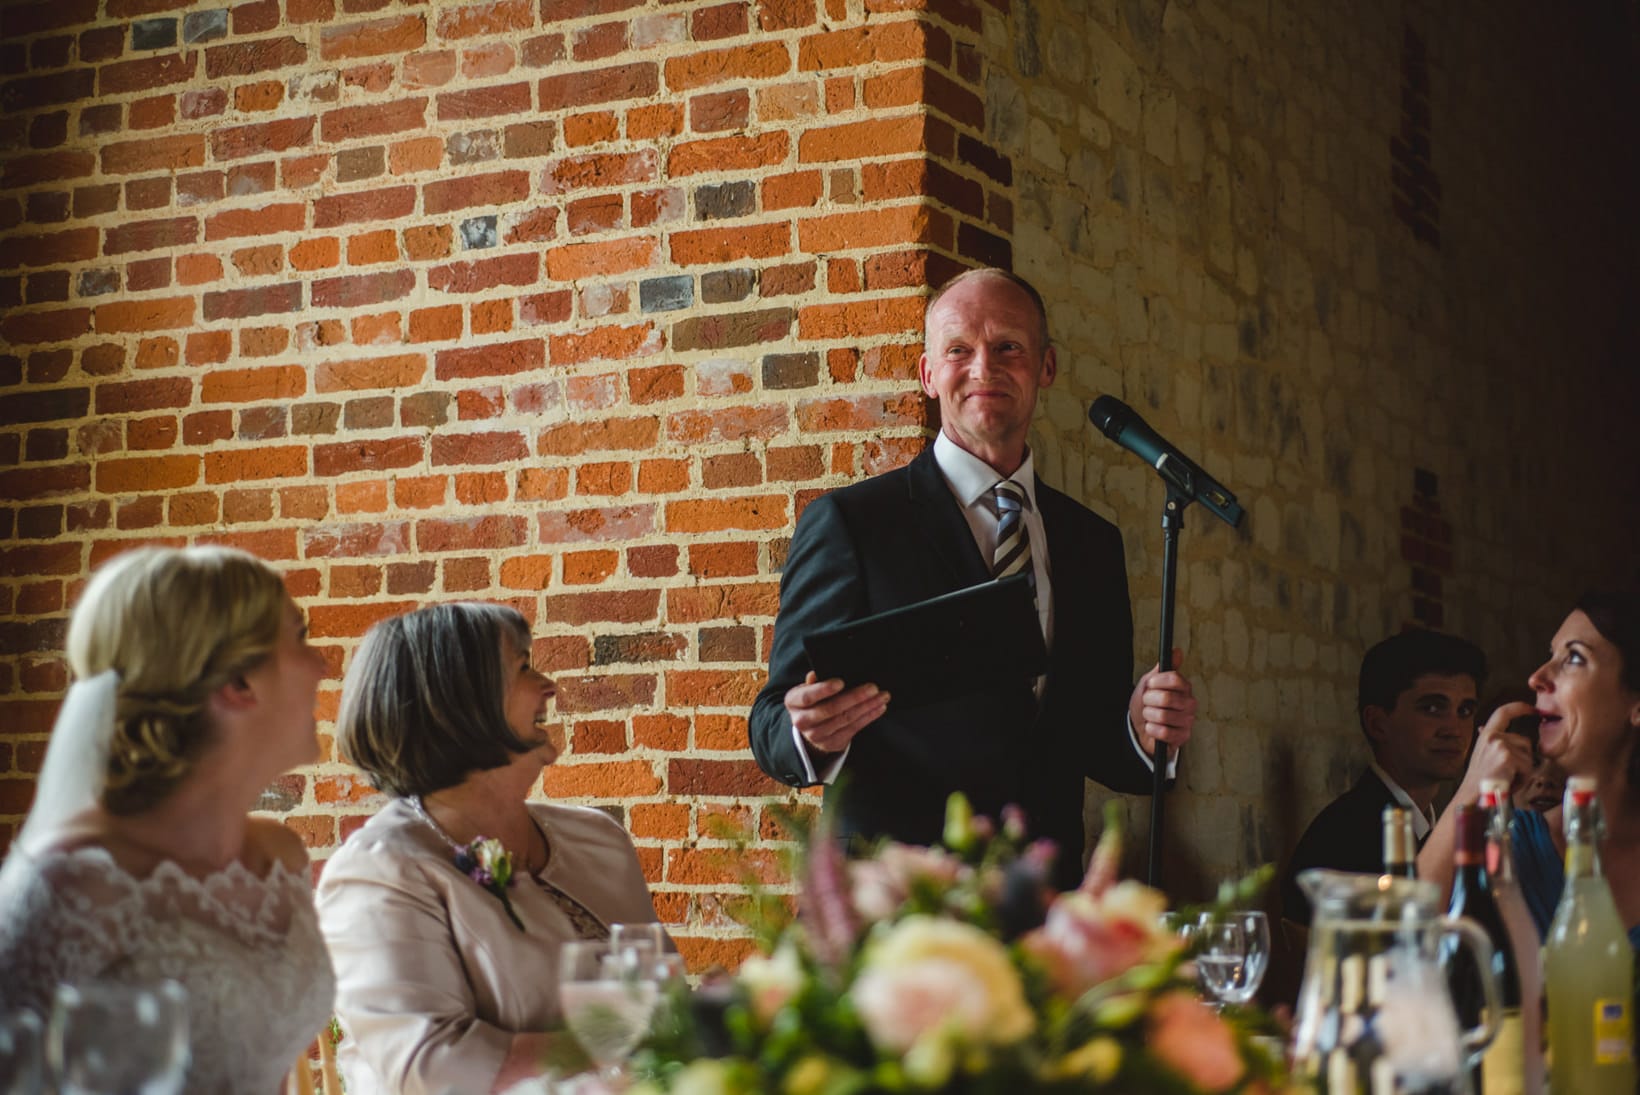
[402,994]
[821,585]
[1122,767]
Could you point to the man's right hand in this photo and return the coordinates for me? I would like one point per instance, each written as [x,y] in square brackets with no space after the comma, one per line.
[827,716]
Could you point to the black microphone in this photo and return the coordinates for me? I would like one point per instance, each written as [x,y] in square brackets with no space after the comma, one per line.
[1117,421]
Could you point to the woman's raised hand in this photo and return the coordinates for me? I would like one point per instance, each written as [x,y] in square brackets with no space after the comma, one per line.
[1498,754]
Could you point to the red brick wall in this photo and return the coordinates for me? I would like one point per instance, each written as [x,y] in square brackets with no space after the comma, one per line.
[568,303]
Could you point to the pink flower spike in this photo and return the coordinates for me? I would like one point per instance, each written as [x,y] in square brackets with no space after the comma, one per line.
[1013,822]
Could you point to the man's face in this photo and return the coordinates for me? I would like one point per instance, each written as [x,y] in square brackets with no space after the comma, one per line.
[1425,737]
[984,361]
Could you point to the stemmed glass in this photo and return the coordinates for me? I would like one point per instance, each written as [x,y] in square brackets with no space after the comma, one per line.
[644,945]
[1234,951]
[644,936]
[121,1038]
[608,998]
[637,945]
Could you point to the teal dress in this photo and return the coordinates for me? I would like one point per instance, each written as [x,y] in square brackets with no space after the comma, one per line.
[1540,871]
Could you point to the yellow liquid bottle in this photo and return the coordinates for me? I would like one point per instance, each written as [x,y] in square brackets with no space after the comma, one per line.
[1588,967]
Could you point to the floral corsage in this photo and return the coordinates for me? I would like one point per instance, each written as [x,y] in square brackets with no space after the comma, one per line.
[488,863]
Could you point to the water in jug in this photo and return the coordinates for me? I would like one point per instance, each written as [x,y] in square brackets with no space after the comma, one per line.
[1374,1014]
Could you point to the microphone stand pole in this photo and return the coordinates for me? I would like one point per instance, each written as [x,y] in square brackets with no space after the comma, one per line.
[1172,523]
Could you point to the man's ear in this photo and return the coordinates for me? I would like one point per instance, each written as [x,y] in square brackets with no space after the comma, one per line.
[923,377]
[1374,720]
[1050,368]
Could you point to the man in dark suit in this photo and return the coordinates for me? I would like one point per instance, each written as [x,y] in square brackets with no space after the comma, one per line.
[1416,701]
[940,524]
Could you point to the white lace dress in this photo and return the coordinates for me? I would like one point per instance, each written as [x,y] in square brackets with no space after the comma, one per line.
[247,949]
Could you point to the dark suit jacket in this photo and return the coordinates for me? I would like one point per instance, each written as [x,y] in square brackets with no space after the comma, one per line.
[1347,835]
[899,538]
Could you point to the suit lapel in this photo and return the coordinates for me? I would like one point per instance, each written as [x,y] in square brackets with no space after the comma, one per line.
[1067,569]
[941,524]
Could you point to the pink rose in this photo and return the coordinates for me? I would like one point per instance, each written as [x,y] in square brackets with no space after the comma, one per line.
[1191,1039]
[1087,940]
[880,886]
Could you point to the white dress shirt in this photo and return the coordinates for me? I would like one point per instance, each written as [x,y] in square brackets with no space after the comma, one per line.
[1423,821]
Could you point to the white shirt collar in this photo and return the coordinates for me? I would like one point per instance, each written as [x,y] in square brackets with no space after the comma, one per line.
[1422,823]
[971,478]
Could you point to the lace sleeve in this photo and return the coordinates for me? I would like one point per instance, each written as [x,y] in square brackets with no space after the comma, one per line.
[57,924]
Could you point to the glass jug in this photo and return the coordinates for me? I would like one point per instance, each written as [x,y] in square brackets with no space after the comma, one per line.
[1374,1014]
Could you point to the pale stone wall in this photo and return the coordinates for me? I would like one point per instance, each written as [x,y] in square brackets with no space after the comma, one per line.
[1205,197]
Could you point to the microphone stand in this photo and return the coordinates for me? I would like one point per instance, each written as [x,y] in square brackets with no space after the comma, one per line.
[1186,483]
[1172,523]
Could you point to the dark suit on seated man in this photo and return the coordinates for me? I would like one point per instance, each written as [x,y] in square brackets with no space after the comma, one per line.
[939,525]
[1416,702]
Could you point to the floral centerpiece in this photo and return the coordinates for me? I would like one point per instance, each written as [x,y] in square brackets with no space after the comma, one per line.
[958,969]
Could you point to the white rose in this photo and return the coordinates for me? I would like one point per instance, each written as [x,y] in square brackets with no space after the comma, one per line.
[933,978]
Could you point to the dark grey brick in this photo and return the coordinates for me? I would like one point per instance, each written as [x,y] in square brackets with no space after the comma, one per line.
[96,283]
[205,26]
[666,294]
[478,232]
[732,199]
[153,34]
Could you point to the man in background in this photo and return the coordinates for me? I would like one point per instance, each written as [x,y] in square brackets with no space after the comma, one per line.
[1417,703]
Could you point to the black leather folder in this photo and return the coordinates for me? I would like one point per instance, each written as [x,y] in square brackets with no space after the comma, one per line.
[939,649]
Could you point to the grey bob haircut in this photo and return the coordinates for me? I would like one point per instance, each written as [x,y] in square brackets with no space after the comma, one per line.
[423,704]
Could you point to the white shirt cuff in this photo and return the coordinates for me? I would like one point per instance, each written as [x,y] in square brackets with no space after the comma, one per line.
[827,772]
[1133,736]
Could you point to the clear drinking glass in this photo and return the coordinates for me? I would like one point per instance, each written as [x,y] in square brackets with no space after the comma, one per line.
[1234,953]
[22,1054]
[648,937]
[1182,924]
[608,999]
[670,975]
[126,1039]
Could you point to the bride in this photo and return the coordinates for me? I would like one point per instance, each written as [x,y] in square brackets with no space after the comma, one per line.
[194,688]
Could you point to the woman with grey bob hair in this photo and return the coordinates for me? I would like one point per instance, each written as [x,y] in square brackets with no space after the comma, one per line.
[194,688]
[447,975]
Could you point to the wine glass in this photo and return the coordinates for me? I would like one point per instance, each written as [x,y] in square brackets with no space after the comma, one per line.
[1181,923]
[626,935]
[1234,953]
[608,1001]
[670,975]
[22,1054]
[119,1038]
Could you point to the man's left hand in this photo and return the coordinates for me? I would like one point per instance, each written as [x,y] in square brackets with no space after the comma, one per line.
[1163,708]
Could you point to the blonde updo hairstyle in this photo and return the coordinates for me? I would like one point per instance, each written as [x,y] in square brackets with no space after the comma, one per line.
[177,624]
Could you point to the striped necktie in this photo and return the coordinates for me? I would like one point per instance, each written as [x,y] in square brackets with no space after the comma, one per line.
[1013,550]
